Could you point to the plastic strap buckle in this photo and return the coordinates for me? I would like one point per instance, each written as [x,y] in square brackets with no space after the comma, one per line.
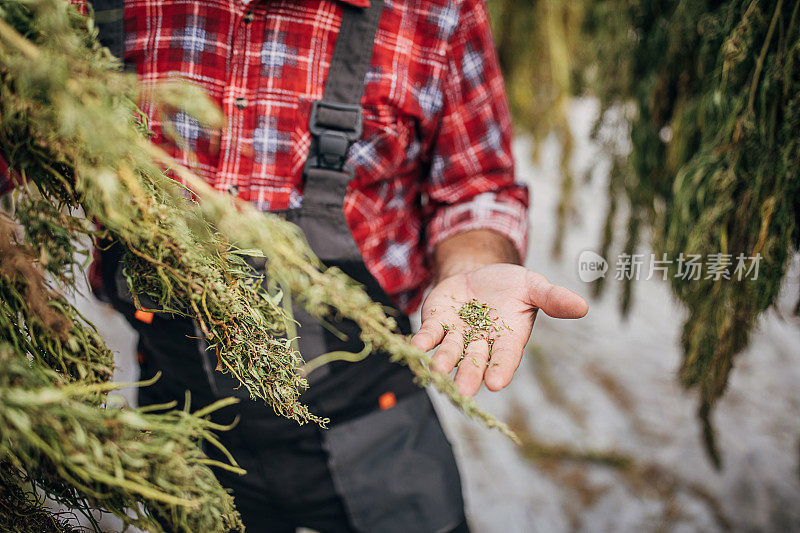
[335,135]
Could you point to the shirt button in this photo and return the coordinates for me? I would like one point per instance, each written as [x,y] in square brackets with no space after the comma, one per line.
[240,103]
[248,17]
[233,190]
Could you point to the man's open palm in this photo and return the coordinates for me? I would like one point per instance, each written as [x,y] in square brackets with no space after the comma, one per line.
[516,294]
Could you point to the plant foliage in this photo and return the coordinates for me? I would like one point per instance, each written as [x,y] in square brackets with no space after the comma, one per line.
[71,132]
[709,93]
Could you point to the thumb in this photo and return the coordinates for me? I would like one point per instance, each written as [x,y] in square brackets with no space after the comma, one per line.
[554,300]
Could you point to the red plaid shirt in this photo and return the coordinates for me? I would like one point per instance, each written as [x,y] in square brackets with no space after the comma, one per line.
[435,158]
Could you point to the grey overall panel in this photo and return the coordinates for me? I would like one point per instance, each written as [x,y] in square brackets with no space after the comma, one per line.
[395,470]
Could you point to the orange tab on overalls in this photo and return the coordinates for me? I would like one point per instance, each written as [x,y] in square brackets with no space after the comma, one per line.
[387,400]
[143,316]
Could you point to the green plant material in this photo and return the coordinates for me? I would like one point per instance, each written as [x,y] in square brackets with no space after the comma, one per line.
[476,316]
[705,95]
[323,293]
[70,129]
[173,254]
[51,428]
[39,322]
[479,325]
[713,167]
[22,510]
[536,450]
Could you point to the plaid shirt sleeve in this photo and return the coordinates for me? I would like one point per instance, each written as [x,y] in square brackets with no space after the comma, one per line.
[471,184]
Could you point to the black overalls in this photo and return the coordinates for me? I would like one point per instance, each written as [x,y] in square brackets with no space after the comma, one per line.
[377,469]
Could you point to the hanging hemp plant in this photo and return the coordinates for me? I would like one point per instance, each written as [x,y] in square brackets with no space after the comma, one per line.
[714,167]
[70,131]
[707,95]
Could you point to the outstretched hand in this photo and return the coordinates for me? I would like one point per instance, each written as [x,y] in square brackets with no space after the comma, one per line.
[515,294]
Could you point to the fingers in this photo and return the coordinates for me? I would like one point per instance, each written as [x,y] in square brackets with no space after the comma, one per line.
[556,301]
[505,358]
[429,335]
[470,371]
[449,353]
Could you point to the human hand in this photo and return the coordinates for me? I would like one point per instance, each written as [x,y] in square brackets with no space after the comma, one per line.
[515,294]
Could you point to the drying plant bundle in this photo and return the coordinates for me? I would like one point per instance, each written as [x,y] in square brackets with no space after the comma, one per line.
[56,434]
[59,435]
[69,128]
[707,97]
[79,148]
[714,166]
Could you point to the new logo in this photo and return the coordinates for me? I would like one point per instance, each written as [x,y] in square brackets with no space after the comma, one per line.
[591,266]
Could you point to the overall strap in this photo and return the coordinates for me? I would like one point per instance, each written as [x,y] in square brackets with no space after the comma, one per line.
[109,19]
[336,120]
